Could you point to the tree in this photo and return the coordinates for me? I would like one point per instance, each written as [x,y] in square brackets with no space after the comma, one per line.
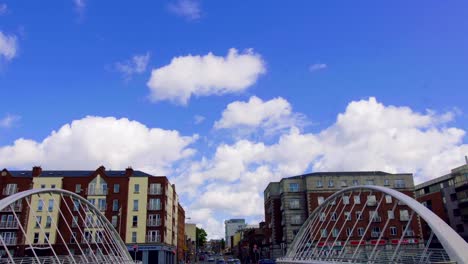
[223,244]
[201,237]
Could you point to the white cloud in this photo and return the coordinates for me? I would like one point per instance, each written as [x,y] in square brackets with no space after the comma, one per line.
[318,67]
[366,136]
[93,141]
[80,5]
[9,120]
[273,115]
[190,9]
[3,9]
[205,75]
[8,46]
[198,119]
[137,64]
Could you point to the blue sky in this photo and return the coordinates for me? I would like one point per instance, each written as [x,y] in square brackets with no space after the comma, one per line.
[347,78]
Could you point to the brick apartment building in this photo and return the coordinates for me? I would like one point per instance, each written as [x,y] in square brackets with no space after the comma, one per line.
[289,203]
[144,209]
[447,197]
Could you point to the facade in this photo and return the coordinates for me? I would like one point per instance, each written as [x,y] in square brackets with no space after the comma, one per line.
[447,196]
[144,210]
[289,203]
[231,226]
[191,241]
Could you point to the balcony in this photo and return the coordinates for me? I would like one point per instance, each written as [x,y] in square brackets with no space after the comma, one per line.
[153,239]
[10,191]
[10,240]
[154,207]
[155,191]
[8,224]
[153,222]
[14,207]
[97,191]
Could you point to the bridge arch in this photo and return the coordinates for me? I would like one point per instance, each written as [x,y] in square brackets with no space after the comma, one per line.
[105,247]
[455,246]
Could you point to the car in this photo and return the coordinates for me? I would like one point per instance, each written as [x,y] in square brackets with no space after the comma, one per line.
[220,261]
[234,261]
[211,259]
[266,261]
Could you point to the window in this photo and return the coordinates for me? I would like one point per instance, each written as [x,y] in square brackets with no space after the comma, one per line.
[324,232]
[76,205]
[42,186]
[116,188]
[360,231]
[46,236]
[154,204]
[155,188]
[374,216]
[357,199]
[294,187]
[375,231]
[87,236]
[115,205]
[390,214]
[330,183]
[73,238]
[48,222]
[349,232]
[333,216]
[347,216]
[78,188]
[444,200]
[456,212]
[38,221]
[296,220]
[319,184]
[322,216]
[358,215]
[355,182]
[409,231]
[99,236]
[453,197]
[135,205]
[89,221]
[136,188]
[320,200]
[75,221]
[154,220]
[345,199]
[10,189]
[386,182]
[40,205]
[52,186]
[344,183]
[50,208]
[102,205]
[335,232]
[371,200]
[370,182]
[388,199]
[153,236]
[92,201]
[393,231]
[36,238]
[404,216]
[400,183]
[134,221]
[115,220]
[134,237]
[294,204]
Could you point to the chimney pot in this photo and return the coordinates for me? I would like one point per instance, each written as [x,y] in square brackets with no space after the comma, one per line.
[36,171]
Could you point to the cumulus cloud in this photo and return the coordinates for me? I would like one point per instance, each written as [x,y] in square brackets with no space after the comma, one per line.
[273,115]
[205,75]
[8,46]
[198,119]
[190,9]
[9,120]
[92,141]
[368,135]
[317,67]
[137,64]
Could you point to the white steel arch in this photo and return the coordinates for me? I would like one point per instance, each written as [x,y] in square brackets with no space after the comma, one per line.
[455,246]
[108,247]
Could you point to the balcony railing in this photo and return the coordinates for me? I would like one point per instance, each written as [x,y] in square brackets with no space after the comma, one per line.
[16,207]
[155,191]
[10,240]
[97,191]
[153,222]
[8,224]
[10,191]
[153,239]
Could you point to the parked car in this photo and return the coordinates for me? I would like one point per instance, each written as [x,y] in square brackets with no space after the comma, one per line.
[234,261]
[220,261]
[211,259]
[266,261]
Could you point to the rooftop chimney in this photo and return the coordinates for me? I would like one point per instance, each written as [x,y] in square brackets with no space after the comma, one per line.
[102,168]
[129,171]
[36,171]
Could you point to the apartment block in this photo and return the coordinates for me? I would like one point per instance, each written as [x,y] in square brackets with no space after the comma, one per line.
[231,226]
[144,209]
[289,202]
